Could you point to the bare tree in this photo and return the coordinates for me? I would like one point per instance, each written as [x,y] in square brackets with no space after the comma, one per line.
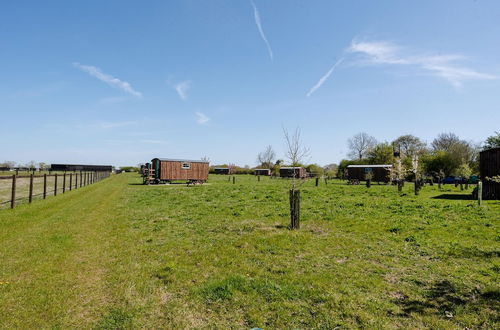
[205,159]
[295,151]
[266,157]
[445,141]
[409,145]
[360,144]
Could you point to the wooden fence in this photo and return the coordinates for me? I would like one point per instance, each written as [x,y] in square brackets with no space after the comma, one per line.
[20,188]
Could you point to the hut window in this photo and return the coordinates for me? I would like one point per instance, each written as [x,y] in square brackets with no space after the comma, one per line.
[186,166]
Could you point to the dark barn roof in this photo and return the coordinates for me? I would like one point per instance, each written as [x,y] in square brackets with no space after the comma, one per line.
[180,160]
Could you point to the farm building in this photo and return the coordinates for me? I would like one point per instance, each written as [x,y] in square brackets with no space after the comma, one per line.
[489,166]
[221,170]
[290,172]
[167,170]
[73,167]
[380,173]
[262,171]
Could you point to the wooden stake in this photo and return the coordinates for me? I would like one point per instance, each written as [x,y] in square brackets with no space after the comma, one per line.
[44,186]
[294,209]
[55,184]
[13,195]
[479,193]
[64,182]
[30,196]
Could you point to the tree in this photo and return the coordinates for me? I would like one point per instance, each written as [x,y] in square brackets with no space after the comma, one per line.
[360,144]
[408,145]
[315,169]
[8,163]
[382,153]
[445,141]
[492,141]
[266,157]
[295,151]
[43,166]
[331,170]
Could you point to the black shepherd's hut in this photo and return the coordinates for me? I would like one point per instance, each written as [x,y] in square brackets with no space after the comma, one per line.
[293,172]
[262,171]
[489,167]
[221,170]
[379,173]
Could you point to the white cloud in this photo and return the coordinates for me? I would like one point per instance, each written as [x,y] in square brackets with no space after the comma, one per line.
[108,125]
[110,80]
[154,141]
[443,66]
[324,78]
[261,31]
[201,118]
[182,89]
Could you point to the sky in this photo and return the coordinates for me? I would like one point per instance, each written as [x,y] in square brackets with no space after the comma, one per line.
[122,82]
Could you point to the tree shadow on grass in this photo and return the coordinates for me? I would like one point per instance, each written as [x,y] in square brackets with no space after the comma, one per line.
[460,197]
[444,297]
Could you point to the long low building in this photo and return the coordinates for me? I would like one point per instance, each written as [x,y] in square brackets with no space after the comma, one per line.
[74,167]
[293,172]
[379,173]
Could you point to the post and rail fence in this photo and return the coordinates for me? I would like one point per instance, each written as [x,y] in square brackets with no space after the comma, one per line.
[18,188]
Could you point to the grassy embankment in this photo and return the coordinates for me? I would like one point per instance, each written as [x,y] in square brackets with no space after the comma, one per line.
[119,254]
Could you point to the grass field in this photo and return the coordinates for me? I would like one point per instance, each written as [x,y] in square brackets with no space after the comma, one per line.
[118,254]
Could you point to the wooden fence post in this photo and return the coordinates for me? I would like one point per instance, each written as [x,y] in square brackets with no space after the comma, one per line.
[479,193]
[317,181]
[81,178]
[64,182]
[258,178]
[294,209]
[70,181]
[76,180]
[55,184]
[234,179]
[45,186]
[13,195]
[30,196]
[368,183]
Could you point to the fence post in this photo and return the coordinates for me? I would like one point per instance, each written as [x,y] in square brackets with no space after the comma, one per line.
[70,181]
[55,184]
[81,178]
[479,193]
[76,180]
[13,196]
[30,198]
[45,186]
[258,178]
[234,179]
[317,181]
[64,182]
[294,209]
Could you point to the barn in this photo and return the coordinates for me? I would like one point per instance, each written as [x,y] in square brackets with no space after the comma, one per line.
[489,166]
[168,170]
[380,173]
[262,171]
[290,172]
[221,170]
[74,167]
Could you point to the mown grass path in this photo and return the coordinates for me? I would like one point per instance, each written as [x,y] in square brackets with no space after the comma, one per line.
[117,254]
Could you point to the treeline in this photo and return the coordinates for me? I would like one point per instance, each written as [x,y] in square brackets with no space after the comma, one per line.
[446,155]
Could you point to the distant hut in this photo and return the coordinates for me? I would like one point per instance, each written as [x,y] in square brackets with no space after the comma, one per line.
[379,173]
[221,170]
[263,171]
[291,172]
[168,170]
[489,166]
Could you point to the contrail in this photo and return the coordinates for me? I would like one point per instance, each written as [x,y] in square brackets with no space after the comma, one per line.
[261,31]
[324,78]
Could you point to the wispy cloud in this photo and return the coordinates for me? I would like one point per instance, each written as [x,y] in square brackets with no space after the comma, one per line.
[443,65]
[108,125]
[182,89]
[324,78]
[258,22]
[201,118]
[110,80]
[155,141]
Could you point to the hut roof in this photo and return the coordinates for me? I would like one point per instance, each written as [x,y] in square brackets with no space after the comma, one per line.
[180,160]
[350,166]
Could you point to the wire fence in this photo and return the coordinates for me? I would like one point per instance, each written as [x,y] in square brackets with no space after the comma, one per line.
[15,189]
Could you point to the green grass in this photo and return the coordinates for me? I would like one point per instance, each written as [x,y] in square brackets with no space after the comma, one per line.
[117,254]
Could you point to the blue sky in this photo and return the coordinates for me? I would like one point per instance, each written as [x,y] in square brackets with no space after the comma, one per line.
[121,82]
